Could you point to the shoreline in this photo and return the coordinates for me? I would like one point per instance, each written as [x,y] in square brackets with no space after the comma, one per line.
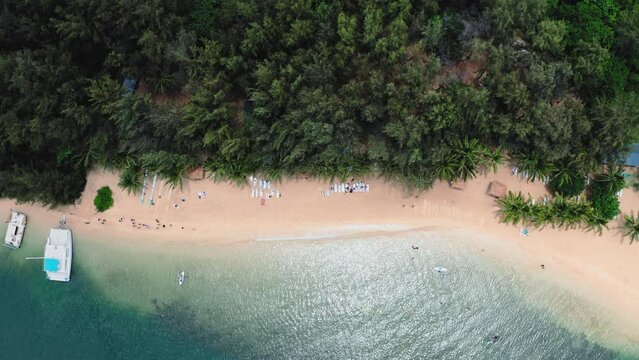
[597,268]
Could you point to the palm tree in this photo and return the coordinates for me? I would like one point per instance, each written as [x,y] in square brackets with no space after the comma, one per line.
[468,156]
[563,174]
[131,181]
[560,211]
[234,171]
[493,158]
[612,179]
[596,223]
[532,166]
[162,83]
[514,209]
[172,168]
[176,170]
[631,227]
[175,179]
[128,112]
[418,179]
[95,153]
[446,169]
[103,93]
[577,213]
[542,215]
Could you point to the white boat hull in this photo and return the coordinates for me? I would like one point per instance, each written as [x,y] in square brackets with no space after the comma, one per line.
[15,230]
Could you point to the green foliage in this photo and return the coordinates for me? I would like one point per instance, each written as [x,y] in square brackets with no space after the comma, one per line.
[592,20]
[533,167]
[514,209]
[415,90]
[603,193]
[511,16]
[618,113]
[103,201]
[551,36]
[131,178]
[609,182]
[443,35]
[627,40]
[493,158]
[631,227]
[591,63]
[559,212]
[171,167]
[567,181]
[605,205]
[432,33]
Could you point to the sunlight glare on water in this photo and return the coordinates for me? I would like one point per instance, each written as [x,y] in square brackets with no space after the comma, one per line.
[375,298]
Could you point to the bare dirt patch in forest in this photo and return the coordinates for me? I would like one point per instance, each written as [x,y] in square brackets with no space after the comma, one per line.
[178,98]
[468,71]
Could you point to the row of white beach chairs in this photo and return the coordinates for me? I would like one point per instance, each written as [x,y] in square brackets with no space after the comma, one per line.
[346,188]
[261,193]
[261,188]
[257,183]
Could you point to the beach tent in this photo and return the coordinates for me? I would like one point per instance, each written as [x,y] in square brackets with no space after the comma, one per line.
[52,265]
[497,189]
[458,185]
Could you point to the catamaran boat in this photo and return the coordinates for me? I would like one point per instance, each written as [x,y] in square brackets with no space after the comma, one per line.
[58,253]
[15,229]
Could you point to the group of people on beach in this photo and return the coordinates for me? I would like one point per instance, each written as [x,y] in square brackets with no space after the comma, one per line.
[138,225]
[201,195]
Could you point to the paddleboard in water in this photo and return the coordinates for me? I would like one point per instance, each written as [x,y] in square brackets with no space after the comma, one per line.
[440,269]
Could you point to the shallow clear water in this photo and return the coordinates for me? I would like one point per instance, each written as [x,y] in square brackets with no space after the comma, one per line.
[361,299]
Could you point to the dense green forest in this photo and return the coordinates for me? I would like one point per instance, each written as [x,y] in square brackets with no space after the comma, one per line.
[413,90]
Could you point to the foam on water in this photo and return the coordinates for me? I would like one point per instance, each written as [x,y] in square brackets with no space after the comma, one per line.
[360,298]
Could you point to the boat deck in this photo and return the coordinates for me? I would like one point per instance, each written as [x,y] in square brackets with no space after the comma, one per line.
[15,229]
[58,251]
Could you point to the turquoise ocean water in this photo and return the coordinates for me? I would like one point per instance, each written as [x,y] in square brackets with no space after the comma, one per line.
[374,298]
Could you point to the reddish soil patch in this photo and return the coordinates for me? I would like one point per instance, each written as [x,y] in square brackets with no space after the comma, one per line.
[468,71]
[161,99]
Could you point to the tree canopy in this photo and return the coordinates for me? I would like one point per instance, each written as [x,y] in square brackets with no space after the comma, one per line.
[103,200]
[414,90]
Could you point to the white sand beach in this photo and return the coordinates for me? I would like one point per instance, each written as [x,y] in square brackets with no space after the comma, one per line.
[599,268]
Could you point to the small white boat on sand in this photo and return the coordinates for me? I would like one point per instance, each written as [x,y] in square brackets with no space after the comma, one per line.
[181,277]
[441,269]
[58,253]
[15,229]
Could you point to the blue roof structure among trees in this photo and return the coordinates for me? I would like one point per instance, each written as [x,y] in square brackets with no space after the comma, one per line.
[633,156]
[129,85]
